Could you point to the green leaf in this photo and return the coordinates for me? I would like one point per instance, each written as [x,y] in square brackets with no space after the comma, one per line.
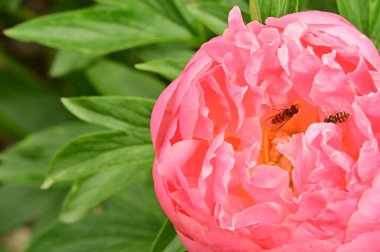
[19,204]
[112,78]
[91,191]
[168,68]
[374,22]
[365,15]
[167,240]
[322,5]
[120,113]
[96,152]
[26,103]
[2,249]
[64,5]
[27,161]
[213,14]
[357,12]
[192,22]
[66,61]
[175,246]
[139,196]
[170,9]
[128,223]
[160,51]
[166,8]
[108,233]
[176,10]
[215,20]
[262,9]
[100,30]
[9,5]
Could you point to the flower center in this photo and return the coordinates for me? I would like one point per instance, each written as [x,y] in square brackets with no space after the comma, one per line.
[270,153]
[280,129]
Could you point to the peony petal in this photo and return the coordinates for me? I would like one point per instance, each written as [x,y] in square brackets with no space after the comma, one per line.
[365,242]
[235,20]
[369,160]
[347,32]
[308,246]
[264,213]
[303,71]
[266,183]
[332,82]
[367,217]
[224,164]
[231,180]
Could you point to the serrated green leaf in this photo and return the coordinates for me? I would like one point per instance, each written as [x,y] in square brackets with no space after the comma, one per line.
[131,226]
[262,9]
[96,152]
[19,204]
[89,192]
[27,161]
[100,30]
[214,14]
[66,61]
[112,78]
[364,14]
[120,113]
[168,68]
[167,240]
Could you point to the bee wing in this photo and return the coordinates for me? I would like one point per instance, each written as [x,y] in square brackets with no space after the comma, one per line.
[268,121]
[274,126]
[278,126]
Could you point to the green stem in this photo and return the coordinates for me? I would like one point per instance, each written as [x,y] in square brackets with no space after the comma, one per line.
[254,10]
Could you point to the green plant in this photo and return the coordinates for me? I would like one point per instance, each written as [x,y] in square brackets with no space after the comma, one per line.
[110,59]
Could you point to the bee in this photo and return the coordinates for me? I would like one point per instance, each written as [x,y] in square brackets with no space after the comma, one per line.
[338,117]
[285,115]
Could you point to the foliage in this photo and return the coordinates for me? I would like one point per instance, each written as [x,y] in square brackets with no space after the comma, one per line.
[365,15]
[110,59]
[261,9]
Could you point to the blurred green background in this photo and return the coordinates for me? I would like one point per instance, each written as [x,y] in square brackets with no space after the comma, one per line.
[111,59]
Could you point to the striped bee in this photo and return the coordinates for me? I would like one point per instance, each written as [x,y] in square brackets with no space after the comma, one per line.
[338,117]
[285,115]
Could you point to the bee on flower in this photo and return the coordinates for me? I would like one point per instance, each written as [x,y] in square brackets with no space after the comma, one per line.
[338,117]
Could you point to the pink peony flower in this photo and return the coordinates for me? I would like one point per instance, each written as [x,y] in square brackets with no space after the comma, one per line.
[239,169]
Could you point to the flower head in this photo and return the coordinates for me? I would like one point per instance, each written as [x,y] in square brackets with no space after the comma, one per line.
[245,160]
